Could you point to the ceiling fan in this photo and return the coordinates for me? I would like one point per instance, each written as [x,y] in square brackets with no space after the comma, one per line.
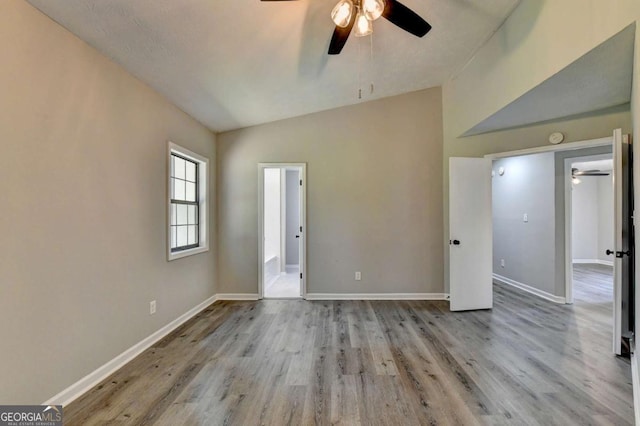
[576,172]
[360,14]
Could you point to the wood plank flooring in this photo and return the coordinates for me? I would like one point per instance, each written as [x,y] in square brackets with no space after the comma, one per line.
[295,362]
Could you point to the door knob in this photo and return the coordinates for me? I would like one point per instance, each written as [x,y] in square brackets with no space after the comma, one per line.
[297,236]
[609,252]
[454,242]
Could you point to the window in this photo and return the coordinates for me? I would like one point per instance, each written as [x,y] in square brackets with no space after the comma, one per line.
[187,203]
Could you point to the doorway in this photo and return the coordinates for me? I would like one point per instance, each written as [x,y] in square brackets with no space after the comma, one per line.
[533,259]
[591,224]
[282,223]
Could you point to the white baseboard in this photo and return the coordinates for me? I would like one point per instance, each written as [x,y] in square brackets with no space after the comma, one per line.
[635,379]
[238,296]
[596,261]
[540,293]
[92,379]
[377,296]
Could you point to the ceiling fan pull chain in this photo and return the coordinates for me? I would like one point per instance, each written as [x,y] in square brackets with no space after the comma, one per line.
[359,71]
[371,67]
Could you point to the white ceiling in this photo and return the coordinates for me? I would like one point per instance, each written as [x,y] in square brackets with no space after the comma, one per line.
[605,165]
[237,63]
[600,79]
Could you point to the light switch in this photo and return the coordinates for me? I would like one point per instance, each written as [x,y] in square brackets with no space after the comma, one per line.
[525,218]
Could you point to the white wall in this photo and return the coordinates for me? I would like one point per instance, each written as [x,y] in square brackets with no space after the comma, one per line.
[605,217]
[592,218]
[83,178]
[271,214]
[584,218]
[528,248]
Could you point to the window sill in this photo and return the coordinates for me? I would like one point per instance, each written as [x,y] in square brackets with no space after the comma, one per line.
[186,253]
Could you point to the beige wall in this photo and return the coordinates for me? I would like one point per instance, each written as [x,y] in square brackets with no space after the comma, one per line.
[83,184]
[503,70]
[577,129]
[539,39]
[374,193]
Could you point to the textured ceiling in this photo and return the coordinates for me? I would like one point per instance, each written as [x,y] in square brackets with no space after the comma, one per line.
[233,64]
[600,79]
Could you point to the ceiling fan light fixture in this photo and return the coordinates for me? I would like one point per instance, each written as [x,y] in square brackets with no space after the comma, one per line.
[373,9]
[363,26]
[342,12]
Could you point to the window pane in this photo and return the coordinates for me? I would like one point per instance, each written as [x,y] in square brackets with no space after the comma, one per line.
[173,214]
[182,236]
[173,237]
[192,215]
[191,191]
[178,167]
[182,214]
[192,234]
[191,171]
[178,192]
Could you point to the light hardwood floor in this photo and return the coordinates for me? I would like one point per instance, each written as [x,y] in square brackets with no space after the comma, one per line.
[278,362]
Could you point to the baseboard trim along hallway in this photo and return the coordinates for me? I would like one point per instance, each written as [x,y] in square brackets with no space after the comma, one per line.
[92,379]
[377,296]
[237,296]
[540,293]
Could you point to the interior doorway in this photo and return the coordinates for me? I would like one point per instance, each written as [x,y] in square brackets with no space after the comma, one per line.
[282,226]
[591,223]
[532,211]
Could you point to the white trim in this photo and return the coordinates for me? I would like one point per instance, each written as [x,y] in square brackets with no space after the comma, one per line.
[203,201]
[238,296]
[568,229]
[596,261]
[377,296]
[83,385]
[540,293]
[635,379]
[553,148]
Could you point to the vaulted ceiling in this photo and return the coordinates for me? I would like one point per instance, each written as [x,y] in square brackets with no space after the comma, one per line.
[233,64]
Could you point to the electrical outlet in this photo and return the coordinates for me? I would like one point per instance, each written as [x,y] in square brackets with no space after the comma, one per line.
[358,276]
[152,307]
[502,262]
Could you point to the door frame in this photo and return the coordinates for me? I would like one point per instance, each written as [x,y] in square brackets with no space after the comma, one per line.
[571,146]
[302,167]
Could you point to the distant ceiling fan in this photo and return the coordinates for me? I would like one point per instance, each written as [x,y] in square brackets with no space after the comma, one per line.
[575,174]
[360,14]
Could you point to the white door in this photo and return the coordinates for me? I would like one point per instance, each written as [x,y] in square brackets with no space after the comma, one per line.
[470,234]
[621,237]
[301,232]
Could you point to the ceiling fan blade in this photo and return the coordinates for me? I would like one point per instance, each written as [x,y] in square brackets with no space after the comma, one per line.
[340,36]
[586,172]
[405,18]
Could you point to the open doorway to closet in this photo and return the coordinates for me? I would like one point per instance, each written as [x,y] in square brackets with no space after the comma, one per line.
[282,216]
